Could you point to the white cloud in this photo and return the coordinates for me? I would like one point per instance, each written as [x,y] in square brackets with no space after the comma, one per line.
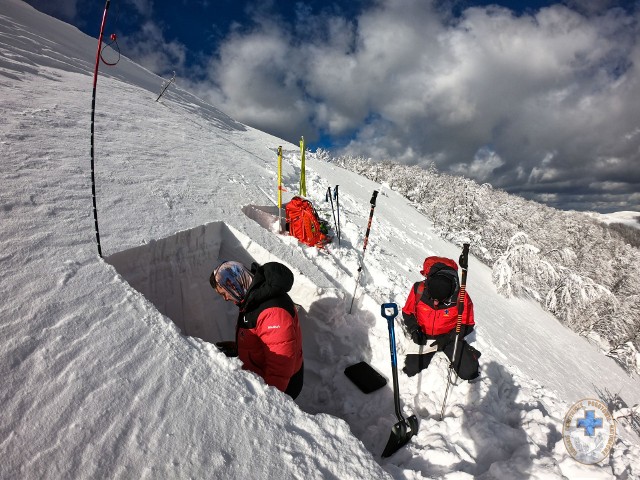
[150,49]
[411,83]
[485,162]
[144,7]
[257,82]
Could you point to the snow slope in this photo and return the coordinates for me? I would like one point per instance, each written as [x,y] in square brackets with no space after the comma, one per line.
[107,366]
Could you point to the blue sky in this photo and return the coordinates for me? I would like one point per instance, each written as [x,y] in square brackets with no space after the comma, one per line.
[539,98]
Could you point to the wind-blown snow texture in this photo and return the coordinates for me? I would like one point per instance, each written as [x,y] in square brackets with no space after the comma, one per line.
[107,367]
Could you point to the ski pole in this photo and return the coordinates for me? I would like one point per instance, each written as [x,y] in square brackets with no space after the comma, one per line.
[335,197]
[364,248]
[303,175]
[329,198]
[166,85]
[93,116]
[464,264]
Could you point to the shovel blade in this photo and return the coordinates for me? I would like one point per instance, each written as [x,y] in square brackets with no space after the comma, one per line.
[401,433]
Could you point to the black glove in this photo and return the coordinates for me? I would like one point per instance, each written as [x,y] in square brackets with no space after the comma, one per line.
[230,349]
[418,337]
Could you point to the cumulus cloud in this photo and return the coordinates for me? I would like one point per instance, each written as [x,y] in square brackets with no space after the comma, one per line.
[482,167]
[143,7]
[258,82]
[543,104]
[150,49]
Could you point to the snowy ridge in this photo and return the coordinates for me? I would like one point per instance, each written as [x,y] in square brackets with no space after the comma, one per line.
[100,379]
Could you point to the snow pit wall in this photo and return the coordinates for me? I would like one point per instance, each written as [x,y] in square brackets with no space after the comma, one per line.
[173,273]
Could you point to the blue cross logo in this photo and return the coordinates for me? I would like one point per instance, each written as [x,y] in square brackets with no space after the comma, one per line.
[590,423]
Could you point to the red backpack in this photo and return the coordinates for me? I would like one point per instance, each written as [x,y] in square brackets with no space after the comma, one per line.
[304,224]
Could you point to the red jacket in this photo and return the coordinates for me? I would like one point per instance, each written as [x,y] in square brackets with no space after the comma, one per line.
[435,318]
[273,348]
[268,332]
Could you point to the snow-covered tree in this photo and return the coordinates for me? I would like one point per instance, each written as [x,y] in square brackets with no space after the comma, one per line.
[522,270]
[579,301]
[583,271]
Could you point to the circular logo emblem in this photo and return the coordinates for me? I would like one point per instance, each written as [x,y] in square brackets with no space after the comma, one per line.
[589,431]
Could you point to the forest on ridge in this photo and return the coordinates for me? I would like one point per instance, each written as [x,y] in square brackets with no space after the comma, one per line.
[583,271]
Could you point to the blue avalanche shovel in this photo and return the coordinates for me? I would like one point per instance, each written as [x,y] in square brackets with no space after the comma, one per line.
[406,428]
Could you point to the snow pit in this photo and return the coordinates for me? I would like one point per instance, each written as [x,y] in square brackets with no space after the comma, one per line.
[173,273]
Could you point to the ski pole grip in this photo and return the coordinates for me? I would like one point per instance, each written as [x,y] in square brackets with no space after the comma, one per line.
[373,198]
[464,256]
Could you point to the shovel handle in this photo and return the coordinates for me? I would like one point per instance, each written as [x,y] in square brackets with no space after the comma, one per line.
[389,306]
[390,312]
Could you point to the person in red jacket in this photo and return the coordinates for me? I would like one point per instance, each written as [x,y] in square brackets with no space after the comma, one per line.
[268,336]
[430,315]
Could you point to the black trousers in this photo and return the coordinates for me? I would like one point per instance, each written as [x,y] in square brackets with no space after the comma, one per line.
[294,387]
[466,364]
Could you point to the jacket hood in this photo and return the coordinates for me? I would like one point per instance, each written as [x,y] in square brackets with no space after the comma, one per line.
[430,262]
[269,281]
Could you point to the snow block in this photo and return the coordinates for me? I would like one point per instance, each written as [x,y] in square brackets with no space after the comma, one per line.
[266,216]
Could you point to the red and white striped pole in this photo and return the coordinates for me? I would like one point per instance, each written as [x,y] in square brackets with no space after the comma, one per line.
[364,248]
